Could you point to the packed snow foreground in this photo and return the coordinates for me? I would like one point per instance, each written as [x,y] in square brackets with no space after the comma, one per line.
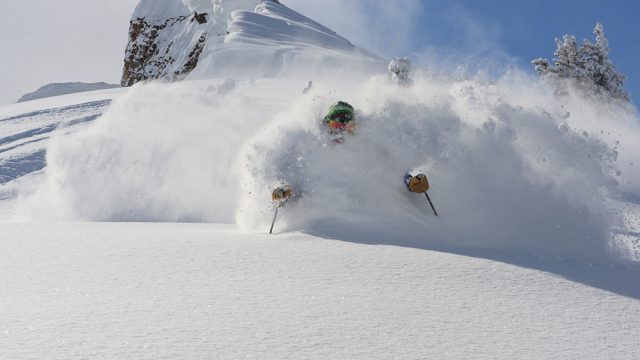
[203,291]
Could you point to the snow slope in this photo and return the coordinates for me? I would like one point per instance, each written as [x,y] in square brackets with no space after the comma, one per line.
[535,254]
[25,129]
[176,291]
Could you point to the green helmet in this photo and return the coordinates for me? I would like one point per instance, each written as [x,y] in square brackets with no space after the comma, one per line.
[341,112]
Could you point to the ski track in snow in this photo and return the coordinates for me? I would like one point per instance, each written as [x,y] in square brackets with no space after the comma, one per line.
[155,291]
[24,137]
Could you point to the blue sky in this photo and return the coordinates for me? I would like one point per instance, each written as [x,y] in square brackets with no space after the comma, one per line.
[526,29]
[43,45]
[483,33]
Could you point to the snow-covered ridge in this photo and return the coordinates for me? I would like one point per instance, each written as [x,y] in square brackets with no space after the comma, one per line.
[57,89]
[240,38]
[278,24]
[163,10]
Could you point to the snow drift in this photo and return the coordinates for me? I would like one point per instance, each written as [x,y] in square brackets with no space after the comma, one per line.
[512,167]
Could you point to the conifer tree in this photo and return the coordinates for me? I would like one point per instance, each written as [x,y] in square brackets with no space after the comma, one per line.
[588,65]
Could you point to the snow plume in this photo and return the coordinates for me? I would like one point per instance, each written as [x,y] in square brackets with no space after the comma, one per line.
[512,168]
[509,171]
[384,27]
[161,153]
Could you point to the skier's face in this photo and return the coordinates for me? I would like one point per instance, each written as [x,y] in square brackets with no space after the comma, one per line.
[349,127]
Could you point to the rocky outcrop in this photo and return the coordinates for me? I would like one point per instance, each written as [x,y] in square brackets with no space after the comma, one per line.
[149,52]
[166,39]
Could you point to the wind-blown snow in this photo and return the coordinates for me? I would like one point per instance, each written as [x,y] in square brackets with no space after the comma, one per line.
[511,169]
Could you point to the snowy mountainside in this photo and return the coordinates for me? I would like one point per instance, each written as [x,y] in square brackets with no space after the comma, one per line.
[57,89]
[239,38]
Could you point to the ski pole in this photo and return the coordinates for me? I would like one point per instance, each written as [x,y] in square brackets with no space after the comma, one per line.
[275,215]
[274,219]
[430,203]
[282,195]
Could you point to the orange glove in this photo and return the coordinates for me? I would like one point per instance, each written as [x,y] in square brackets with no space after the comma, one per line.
[282,193]
[418,183]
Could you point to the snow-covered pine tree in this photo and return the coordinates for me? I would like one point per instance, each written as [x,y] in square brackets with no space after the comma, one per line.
[601,69]
[565,62]
[543,68]
[566,57]
[588,65]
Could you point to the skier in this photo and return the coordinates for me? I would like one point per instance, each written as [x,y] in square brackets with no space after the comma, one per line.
[399,70]
[340,118]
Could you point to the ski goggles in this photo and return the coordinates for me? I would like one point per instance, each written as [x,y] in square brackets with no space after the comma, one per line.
[349,126]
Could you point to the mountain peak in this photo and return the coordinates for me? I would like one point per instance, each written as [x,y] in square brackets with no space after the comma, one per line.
[241,38]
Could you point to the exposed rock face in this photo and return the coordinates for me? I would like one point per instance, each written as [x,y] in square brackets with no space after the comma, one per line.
[149,54]
[167,38]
